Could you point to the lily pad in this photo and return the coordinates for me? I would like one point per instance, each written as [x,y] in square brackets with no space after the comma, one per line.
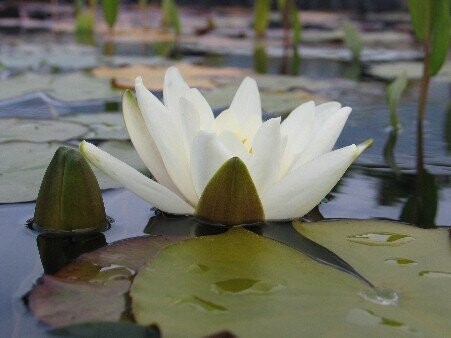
[23,165]
[195,76]
[33,56]
[94,287]
[70,87]
[39,130]
[413,70]
[21,169]
[253,286]
[104,126]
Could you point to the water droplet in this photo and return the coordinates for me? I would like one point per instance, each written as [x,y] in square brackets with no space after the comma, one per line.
[199,268]
[400,261]
[112,272]
[435,274]
[380,296]
[200,304]
[367,318]
[245,286]
[381,239]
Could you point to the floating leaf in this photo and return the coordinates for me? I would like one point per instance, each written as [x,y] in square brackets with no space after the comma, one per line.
[230,197]
[65,87]
[37,130]
[23,166]
[234,280]
[94,287]
[153,76]
[394,93]
[413,70]
[103,126]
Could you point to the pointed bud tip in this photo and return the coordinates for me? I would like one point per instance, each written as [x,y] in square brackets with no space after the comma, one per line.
[230,197]
[364,145]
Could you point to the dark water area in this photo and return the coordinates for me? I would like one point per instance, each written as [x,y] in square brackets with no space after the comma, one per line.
[385,182]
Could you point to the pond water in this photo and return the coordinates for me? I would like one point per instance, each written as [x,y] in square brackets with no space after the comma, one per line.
[370,189]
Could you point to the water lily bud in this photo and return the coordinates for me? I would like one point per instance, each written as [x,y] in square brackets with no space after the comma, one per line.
[69,198]
[230,197]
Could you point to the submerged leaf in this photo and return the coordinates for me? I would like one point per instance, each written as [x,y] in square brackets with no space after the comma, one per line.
[230,197]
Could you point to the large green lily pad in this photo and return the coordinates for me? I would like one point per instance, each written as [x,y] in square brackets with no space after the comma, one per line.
[104,126]
[23,165]
[70,87]
[94,287]
[257,287]
[39,130]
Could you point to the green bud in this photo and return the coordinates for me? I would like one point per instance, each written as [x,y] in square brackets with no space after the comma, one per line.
[69,198]
[230,197]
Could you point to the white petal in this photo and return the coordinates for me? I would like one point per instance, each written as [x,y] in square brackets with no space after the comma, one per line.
[174,87]
[166,131]
[144,187]
[249,127]
[234,146]
[226,120]
[266,150]
[190,119]
[304,188]
[324,139]
[297,128]
[144,143]
[206,116]
[324,110]
[247,99]
[207,156]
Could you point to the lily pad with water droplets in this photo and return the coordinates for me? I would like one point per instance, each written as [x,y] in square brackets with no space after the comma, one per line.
[253,286]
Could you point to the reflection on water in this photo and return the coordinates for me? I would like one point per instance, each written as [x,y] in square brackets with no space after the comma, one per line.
[57,251]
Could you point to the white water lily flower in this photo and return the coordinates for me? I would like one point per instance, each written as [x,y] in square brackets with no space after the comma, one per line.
[290,164]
